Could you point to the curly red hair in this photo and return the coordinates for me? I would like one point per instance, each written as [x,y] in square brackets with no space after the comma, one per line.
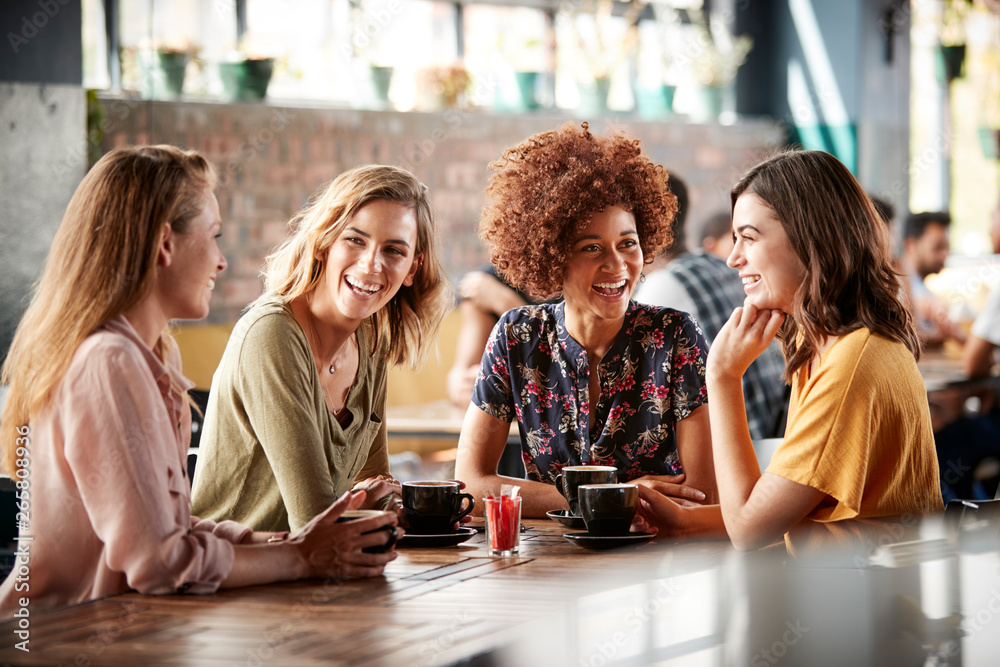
[544,191]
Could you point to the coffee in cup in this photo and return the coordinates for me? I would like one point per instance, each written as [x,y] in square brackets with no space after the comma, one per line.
[608,509]
[433,507]
[571,477]
[353,515]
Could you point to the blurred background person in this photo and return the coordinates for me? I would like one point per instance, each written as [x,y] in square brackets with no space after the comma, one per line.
[485,297]
[970,439]
[702,285]
[925,250]
[716,237]
[985,335]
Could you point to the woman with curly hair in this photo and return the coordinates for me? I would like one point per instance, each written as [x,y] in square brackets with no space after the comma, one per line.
[296,414]
[594,378]
[817,271]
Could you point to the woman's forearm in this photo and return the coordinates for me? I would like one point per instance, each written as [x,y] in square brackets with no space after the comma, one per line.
[736,468]
[703,522]
[256,563]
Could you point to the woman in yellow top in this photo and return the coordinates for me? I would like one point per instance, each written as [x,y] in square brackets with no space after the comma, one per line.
[817,271]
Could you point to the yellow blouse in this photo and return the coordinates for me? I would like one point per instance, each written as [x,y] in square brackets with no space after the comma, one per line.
[859,430]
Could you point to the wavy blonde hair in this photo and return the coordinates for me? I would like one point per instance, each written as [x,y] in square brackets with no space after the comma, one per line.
[102,263]
[406,329]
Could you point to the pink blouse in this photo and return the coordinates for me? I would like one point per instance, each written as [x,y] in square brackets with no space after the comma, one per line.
[109,499]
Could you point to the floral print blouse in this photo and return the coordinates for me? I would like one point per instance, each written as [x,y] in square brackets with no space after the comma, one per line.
[652,377]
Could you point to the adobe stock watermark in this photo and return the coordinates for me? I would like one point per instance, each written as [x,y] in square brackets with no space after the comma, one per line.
[107,635]
[458,627]
[971,625]
[889,534]
[253,146]
[928,158]
[369,25]
[453,120]
[274,637]
[30,25]
[604,652]
[116,112]
[773,654]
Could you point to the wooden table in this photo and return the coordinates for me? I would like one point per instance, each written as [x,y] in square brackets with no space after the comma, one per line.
[432,605]
[556,604]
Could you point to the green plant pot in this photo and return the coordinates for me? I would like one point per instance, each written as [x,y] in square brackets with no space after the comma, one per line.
[163,74]
[708,104]
[594,97]
[655,102]
[948,62]
[989,141]
[527,83]
[246,80]
[381,78]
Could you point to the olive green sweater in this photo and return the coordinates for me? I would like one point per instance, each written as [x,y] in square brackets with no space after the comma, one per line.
[272,455]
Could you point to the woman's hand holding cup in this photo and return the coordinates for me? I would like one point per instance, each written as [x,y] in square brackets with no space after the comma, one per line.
[670,486]
[376,489]
[332,548]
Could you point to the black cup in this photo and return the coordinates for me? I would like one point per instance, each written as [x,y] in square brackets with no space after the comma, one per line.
[608,509]
[571,477]
[353,515]
[433,507]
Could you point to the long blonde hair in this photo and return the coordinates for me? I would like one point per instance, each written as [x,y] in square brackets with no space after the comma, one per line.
[102,262]
[405,330]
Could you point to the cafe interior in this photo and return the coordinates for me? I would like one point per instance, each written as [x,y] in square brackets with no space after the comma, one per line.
[282,96]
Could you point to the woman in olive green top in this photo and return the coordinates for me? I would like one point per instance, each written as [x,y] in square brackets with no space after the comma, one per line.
[296,412]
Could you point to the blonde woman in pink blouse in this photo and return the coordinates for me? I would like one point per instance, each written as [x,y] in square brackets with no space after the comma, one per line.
[96,423]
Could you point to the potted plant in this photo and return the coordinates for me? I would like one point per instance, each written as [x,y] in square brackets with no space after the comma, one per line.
[443,86]
[987,61]
[601,50]
[366,52]
[949,56]
[246,79]
[246,74]
[163,69]
[523,53]
[717,56]
[657,78]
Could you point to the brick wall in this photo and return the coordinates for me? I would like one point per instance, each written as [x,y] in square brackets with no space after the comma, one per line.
[271,159]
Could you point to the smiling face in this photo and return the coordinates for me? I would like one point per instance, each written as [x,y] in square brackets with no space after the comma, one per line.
[371,259]
[195,263]
[771,270]
[604,266]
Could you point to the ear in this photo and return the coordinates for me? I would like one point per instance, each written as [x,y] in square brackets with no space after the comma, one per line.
[417,262]
[168,246]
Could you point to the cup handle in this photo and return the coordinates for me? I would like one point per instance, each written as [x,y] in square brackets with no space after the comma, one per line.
[472,503]
[559,486]
[393,533]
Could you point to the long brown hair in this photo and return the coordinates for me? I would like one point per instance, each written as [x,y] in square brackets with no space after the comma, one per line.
[407,327]
[835,230]
[102,263]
